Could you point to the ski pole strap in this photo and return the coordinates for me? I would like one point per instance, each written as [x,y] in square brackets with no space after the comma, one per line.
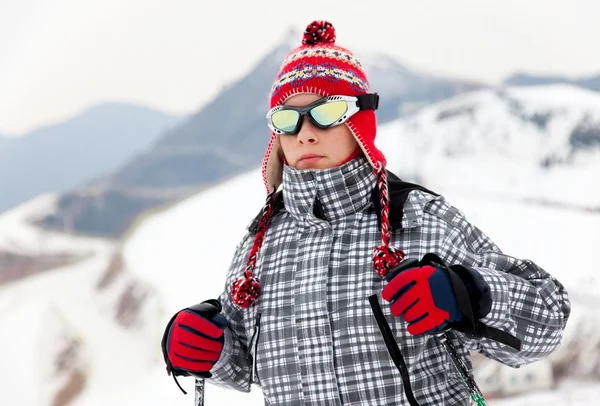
[470,325]
[199,391]
[473,327]
[459,364]
[392,347]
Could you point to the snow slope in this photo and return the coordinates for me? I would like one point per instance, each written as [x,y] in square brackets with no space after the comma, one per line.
[18,235]
[536,143]
[60,328]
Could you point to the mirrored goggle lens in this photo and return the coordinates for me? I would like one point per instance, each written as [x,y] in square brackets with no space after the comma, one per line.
[285,120]
[329,113]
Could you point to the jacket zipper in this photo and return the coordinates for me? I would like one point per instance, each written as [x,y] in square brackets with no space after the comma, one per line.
[253,347]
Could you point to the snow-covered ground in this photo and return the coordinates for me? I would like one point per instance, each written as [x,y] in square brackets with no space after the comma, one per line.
[573,393]
[60,322]
[25,307]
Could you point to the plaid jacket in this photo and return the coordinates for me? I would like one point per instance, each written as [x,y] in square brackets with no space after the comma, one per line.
[316,341]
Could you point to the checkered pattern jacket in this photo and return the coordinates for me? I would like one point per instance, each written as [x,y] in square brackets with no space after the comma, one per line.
[312,339]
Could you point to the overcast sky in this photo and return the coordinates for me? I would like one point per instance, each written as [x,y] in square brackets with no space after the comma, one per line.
[60,56]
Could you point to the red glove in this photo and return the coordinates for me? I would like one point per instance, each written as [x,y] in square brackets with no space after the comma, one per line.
[424,295]
[193,340]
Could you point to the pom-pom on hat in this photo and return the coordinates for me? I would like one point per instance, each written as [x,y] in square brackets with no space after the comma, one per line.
[320,67]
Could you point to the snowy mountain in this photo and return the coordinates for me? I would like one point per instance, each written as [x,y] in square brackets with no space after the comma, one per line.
[525,79]
[61,323]
[403,89]
[26,250]
[534,143]
[107,311]
[61,156]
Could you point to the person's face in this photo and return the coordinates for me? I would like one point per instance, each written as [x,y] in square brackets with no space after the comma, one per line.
[313,148]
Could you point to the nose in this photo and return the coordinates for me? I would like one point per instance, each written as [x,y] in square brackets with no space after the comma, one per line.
[308,133]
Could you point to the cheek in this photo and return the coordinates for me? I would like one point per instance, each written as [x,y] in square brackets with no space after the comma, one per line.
[287,145]
[343,142]
[284,143]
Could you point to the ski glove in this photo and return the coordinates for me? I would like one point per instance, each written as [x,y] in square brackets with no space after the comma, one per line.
[193,339]
[424,292]
[424,296]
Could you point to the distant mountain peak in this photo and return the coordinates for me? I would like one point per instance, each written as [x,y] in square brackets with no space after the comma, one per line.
[292,37]
[527,79]
[76,150]
[372,61]
[591,82]
[122,109]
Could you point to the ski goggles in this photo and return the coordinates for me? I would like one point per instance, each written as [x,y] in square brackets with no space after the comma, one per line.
[323,113]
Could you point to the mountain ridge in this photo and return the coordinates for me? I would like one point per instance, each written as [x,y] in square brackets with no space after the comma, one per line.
[66,154]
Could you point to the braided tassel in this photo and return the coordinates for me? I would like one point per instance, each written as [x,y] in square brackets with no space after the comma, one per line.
[246,288]
[385,257]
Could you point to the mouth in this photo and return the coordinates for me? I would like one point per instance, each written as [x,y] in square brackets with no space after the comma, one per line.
[310,157]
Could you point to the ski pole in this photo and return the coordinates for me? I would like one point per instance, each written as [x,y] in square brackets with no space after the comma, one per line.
[199,392]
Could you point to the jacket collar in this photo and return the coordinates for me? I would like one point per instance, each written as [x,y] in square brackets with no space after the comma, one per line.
[330,193]
[406,208]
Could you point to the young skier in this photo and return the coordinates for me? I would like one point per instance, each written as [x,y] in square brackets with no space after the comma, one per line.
[351,286]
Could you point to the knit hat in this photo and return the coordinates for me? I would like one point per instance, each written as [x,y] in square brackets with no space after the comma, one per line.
[320,67]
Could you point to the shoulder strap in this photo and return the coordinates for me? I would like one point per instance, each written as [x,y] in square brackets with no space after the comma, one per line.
[399,191]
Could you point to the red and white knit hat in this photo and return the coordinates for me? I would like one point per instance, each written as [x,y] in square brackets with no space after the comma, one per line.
[318,66]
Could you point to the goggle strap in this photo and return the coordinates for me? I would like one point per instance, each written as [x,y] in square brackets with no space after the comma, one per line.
[369,101]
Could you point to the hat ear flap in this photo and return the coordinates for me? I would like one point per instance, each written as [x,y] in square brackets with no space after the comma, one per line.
[272,166]
[363,126]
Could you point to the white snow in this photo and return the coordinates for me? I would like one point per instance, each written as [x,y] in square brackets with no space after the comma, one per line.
[184,251]
[570,394]
[19,349]
[558,95]
[115,354]
[487,141]
[40,313]
[18,235]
